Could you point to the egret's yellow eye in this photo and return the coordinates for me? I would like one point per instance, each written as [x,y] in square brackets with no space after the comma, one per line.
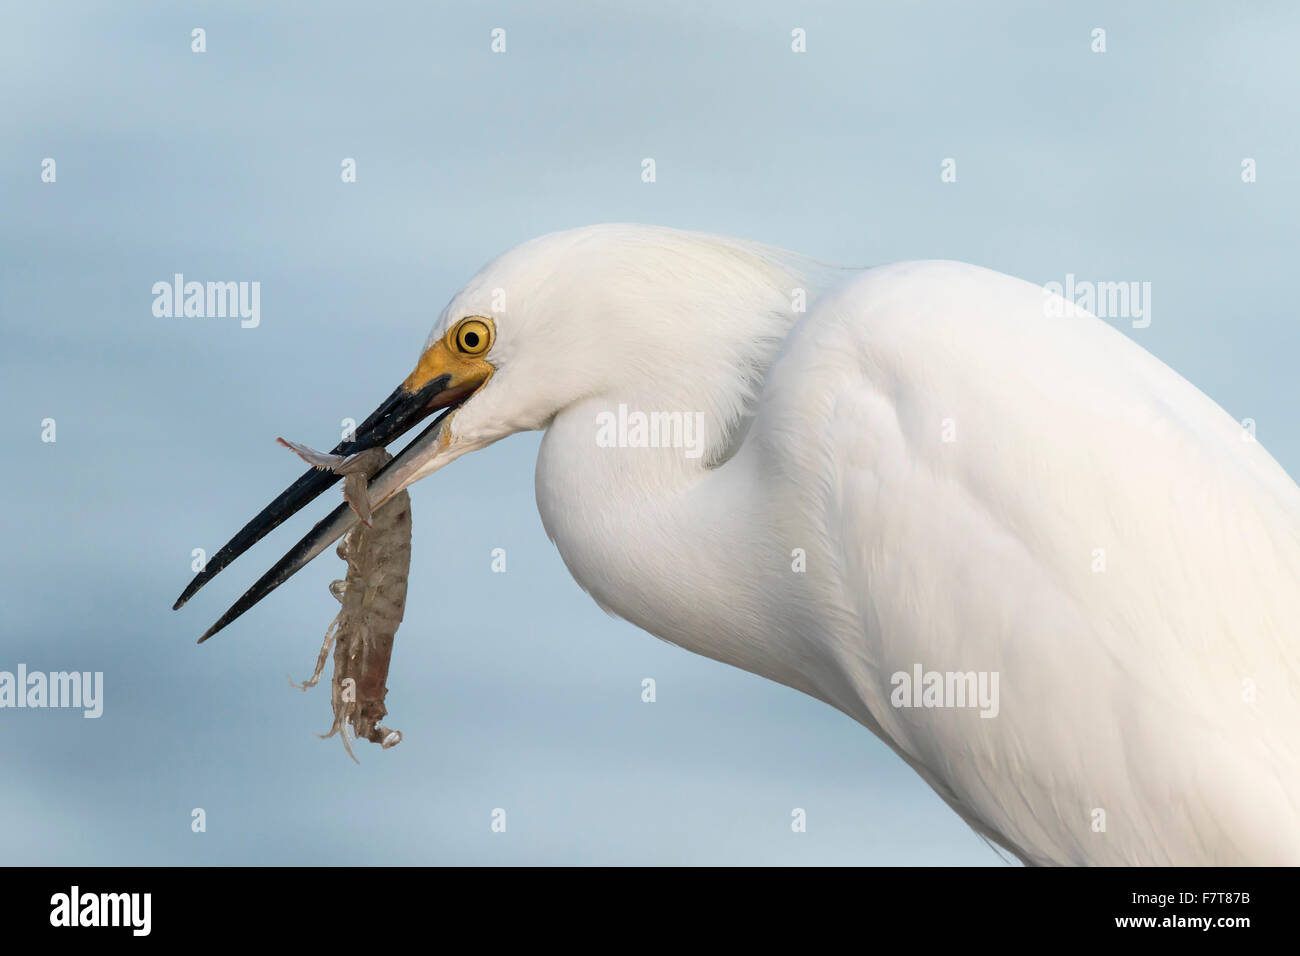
[473,336]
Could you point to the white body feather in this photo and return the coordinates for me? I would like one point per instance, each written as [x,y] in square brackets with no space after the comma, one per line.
[1124,691]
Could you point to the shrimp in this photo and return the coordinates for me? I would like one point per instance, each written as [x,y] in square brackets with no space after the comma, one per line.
[372,595]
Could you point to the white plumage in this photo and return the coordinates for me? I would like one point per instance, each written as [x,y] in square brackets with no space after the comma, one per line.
[1125,690]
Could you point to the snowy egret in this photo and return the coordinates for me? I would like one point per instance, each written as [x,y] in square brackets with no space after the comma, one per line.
[1058,580]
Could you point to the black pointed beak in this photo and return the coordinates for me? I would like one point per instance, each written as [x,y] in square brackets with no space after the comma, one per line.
[388,481]
[400,412]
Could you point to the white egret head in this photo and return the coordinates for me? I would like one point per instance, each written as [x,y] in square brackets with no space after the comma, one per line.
[671,318]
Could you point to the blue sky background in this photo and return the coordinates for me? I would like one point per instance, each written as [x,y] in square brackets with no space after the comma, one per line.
[514,690]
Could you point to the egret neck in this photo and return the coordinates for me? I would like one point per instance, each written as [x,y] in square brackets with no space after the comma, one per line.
[673,538]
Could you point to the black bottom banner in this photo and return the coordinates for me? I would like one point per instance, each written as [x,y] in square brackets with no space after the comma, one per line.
[338,906]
